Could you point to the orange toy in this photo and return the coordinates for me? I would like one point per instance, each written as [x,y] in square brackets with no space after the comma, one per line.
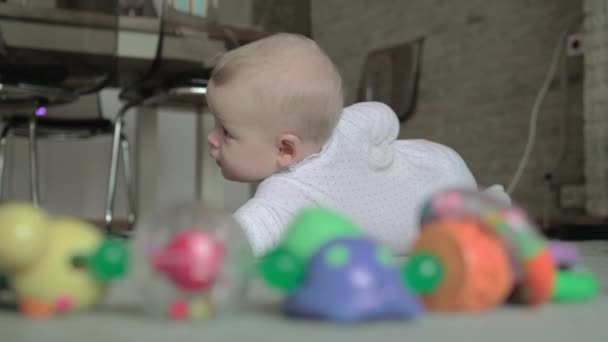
[473,252]
[471,267]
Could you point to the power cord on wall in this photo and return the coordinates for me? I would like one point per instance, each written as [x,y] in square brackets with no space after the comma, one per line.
[557,53]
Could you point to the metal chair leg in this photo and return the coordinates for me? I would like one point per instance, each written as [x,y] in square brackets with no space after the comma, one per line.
[112,176]
[126,166]
[3,155]
[33,161]
[108,217]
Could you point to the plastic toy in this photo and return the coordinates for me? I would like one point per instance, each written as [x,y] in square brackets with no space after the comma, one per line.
[350,280]
[336,273]
[456,264]
[191,262]
[55,265]
[285,266]
[475,253]
[192,259]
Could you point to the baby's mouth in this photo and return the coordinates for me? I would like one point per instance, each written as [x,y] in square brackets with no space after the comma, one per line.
[217,161]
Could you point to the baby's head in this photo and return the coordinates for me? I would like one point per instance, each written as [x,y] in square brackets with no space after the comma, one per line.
[275,101]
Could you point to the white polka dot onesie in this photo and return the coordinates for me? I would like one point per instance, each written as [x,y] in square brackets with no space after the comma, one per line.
[362,171]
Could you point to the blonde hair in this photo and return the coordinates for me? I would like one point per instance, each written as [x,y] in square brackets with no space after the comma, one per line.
[295,78]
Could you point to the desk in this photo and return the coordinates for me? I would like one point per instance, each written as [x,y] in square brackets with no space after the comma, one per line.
[196,42]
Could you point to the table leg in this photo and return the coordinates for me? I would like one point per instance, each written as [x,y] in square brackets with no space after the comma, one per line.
[147,160]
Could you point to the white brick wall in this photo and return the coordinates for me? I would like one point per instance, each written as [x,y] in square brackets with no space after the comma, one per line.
[483,63]
[596,105]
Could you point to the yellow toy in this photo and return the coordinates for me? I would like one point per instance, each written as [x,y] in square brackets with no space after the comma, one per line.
[55,265]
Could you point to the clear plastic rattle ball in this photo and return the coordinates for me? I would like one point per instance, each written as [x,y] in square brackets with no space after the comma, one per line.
[191,261]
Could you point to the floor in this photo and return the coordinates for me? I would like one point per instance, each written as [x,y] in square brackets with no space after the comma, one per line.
[119,320]
[595,257]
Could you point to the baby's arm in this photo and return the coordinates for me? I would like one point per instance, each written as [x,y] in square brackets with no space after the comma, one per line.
[266,216]
[263,222]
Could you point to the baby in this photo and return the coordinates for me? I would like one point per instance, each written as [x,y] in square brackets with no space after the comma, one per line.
[279,120]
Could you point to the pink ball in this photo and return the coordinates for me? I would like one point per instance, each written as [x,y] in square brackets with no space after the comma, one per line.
[191,259]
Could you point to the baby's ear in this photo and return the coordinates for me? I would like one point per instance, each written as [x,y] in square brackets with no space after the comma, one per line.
[288,149]
[24,234]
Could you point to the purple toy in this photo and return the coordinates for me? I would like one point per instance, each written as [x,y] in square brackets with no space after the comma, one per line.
[350,280]
[565,254]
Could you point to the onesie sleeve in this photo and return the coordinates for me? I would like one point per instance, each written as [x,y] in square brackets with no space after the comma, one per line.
[263,222]
[266,216]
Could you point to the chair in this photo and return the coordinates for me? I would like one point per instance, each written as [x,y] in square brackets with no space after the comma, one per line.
[33,79]
[391,75]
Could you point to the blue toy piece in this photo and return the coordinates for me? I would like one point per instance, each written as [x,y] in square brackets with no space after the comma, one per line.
[350,280]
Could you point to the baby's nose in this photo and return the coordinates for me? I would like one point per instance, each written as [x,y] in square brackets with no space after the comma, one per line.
[213,139]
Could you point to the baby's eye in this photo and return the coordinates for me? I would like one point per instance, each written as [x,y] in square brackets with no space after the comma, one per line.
[226,134]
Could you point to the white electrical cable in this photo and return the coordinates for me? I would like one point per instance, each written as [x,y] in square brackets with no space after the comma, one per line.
[535,112]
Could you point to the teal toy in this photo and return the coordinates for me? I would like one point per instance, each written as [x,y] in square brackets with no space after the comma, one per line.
[284,267]
[108,261]
[332,271]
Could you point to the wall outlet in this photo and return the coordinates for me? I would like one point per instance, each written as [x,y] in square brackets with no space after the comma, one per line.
[572,196]
[574,45]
